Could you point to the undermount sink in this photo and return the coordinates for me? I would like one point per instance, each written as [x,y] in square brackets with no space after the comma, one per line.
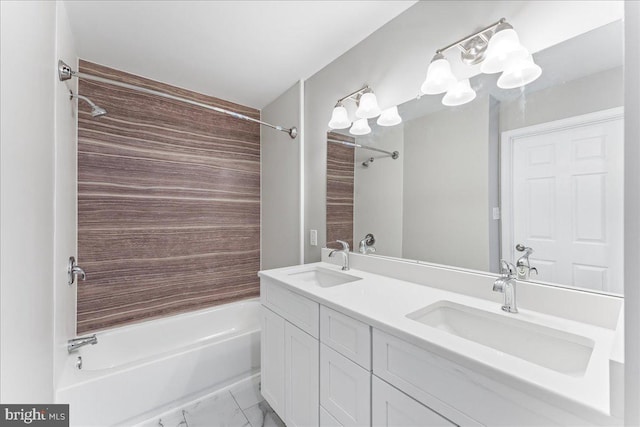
[551,348]
[323,277]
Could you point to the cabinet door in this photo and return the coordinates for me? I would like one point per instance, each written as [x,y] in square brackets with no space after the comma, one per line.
[272,359]
[393,408]
[345,389]
[302,400]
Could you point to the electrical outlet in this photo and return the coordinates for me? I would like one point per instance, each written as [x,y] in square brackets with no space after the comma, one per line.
[496,213]
[313,237]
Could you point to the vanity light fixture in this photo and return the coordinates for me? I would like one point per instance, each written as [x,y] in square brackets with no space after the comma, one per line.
[497,49]
[519,72]
[339,117]
[360,127]
[459,94]
[389,117]
[368,105]
[367,109]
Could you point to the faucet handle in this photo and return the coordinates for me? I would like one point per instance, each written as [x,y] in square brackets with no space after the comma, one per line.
[507,269]
[345,245]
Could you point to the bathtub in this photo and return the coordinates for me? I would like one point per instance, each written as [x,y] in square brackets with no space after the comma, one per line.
[137,371]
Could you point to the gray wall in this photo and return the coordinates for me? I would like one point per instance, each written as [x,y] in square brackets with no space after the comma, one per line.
[280,173]
[378,191]
[448,224]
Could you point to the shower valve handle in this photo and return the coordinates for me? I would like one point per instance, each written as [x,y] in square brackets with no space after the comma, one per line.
[74,270]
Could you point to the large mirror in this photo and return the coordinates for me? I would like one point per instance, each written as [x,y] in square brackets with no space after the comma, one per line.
[538,167]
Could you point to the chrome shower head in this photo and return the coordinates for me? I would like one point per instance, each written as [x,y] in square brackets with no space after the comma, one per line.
[95,110]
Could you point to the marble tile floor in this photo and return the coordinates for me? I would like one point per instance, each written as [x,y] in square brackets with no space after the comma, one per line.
[240,405]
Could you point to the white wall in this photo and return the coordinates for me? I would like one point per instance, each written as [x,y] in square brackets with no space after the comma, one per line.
[394,59]
[65,196]
[377,192]
[280,183]
[27,190]
[632,213]
[448,224]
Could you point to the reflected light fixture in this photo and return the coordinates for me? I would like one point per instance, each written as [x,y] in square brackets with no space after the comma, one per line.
[339,117]
[368,106]
[459,94]
[519,72]
[367,109]
[497,49]
[389,117]
[360,127]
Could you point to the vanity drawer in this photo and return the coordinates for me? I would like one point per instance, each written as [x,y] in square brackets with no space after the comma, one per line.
[345,389]
[392,408]
[346,335]
[300,311]
[460,394]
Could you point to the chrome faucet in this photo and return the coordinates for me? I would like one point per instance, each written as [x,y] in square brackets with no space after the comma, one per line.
[506,284]
[76,343]
[523,266]
[366,244]
[345,254]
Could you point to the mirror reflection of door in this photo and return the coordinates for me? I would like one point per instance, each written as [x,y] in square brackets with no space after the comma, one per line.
[562,196]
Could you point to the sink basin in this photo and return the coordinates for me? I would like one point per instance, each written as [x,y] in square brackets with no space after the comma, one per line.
[551,348]
[322,277]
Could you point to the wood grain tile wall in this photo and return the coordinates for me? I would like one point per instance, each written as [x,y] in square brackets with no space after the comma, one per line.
[340,160]
[168,203]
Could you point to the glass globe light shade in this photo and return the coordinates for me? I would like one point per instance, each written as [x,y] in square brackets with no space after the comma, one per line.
[389,117]
[519,72]
[459,94]
[360,127]
[439,76]
[503,46]
[339,118]
[368,106]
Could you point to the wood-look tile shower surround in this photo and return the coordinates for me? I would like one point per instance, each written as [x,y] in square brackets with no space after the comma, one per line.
[340,160]
[168,203]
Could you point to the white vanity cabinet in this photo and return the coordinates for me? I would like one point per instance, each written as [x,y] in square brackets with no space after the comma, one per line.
[290,355]
[345,368]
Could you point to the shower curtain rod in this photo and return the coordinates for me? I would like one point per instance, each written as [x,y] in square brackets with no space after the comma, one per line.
[393,155]
[65,73]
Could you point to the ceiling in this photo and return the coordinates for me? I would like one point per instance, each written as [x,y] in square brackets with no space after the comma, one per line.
[247,52]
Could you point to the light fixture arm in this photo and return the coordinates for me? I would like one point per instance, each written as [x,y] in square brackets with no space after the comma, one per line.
[360,91]
[480,33]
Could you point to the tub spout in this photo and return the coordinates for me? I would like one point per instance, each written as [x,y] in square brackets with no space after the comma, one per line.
[76,343]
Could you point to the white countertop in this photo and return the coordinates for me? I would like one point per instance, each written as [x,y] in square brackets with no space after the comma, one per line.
[384,302]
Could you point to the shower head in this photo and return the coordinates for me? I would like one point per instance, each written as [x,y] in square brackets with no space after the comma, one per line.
[367,162]
[96,111]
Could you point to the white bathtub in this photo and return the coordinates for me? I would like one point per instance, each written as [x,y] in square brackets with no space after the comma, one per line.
[136,371]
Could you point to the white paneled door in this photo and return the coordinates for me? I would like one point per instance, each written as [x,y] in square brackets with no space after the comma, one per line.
[562,194]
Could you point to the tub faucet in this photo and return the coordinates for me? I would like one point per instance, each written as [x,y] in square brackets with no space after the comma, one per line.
[76,343]
[506,284]
[345,254]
